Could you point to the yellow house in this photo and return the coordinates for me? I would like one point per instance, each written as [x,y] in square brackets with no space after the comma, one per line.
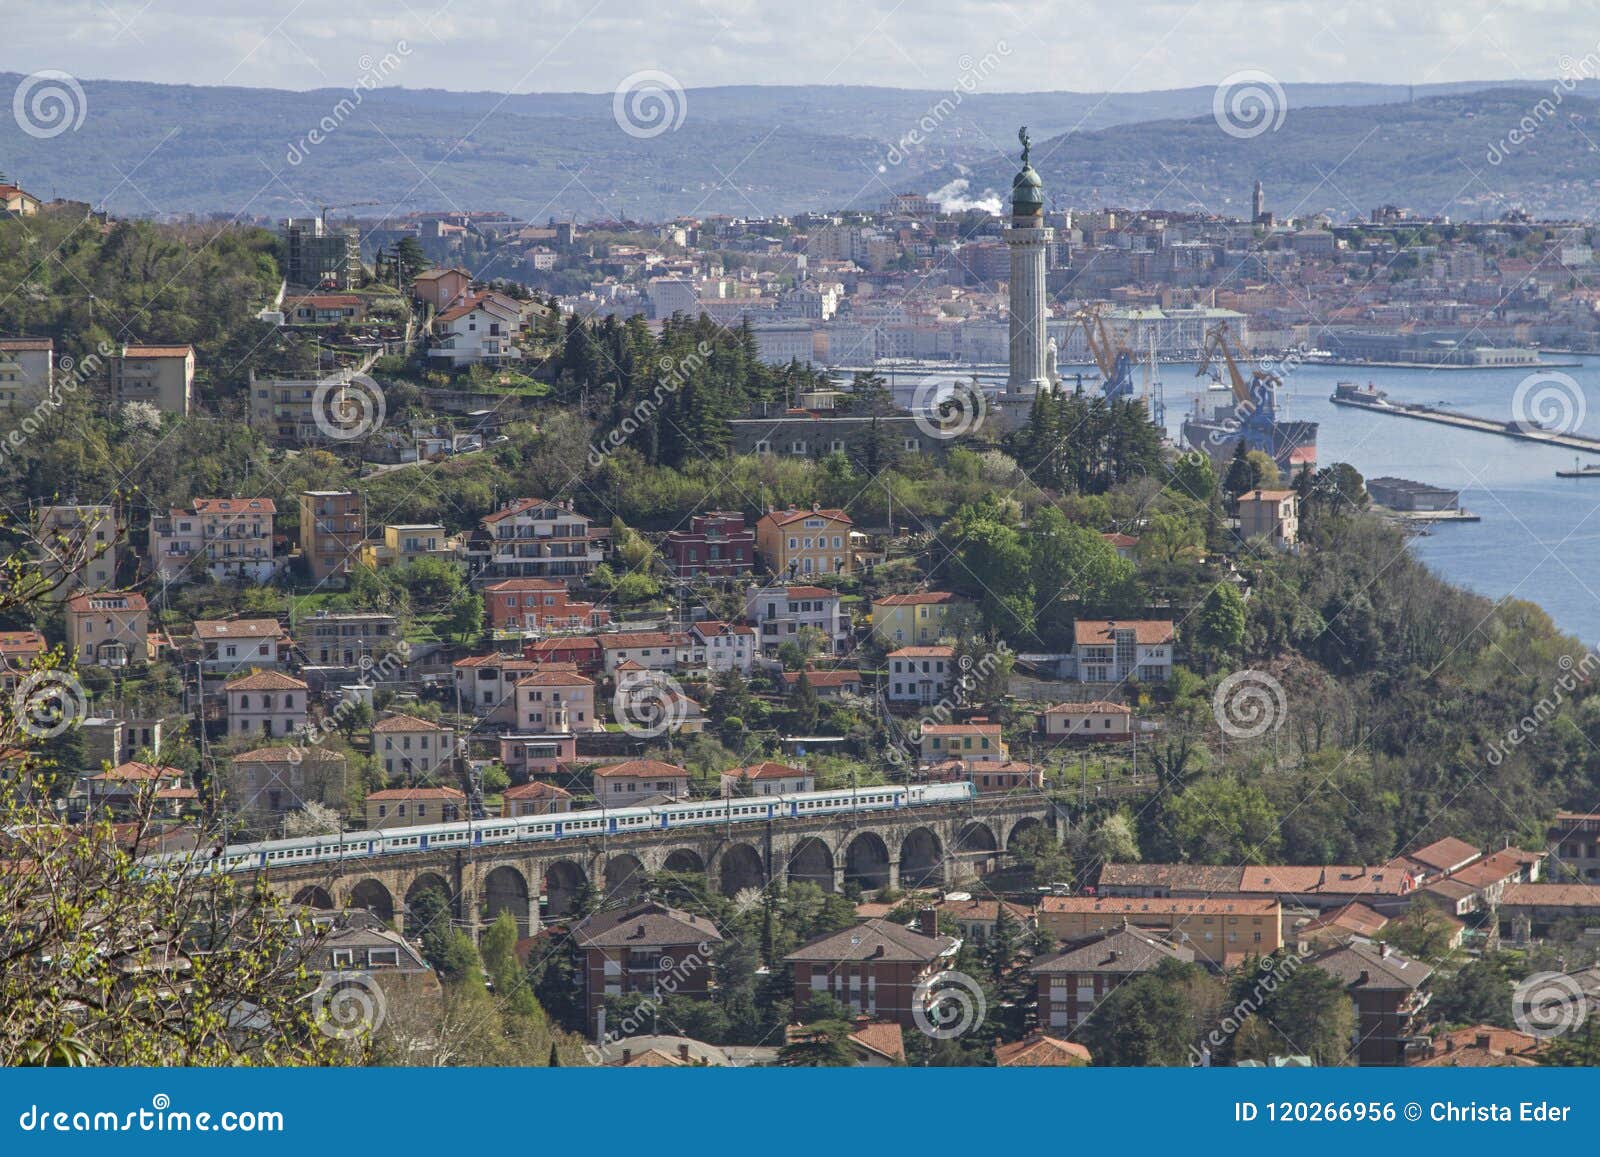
[1218,928]
[805,542]
[406,542]
[977,740]
[910,620]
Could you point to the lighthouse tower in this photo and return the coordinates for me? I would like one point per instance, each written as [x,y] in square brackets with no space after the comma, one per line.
[1027,237]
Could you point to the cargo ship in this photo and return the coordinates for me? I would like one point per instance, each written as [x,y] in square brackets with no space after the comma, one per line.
[1218,428]
[1245,410]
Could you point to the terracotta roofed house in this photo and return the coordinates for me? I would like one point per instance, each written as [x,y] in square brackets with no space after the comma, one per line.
[267,703]
[411,747]
[1112,651]
[404,807]
[1038,1050]
[108,628]
[535,798]
[920,617]
[229,645]
[629,782]
[1216,928]
[1098,721]
[767,779]
[875,968]
[794,543]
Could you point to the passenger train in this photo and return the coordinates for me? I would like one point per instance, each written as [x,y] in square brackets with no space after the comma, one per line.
[560,826]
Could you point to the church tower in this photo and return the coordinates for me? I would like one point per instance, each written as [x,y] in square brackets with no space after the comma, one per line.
[1028,237]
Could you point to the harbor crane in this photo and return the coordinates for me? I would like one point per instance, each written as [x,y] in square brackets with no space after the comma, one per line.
[1111,355]
[1255,400]
[323,217]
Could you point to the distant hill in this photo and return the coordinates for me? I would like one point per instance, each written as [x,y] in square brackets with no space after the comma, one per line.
[172,149]
[1433,156]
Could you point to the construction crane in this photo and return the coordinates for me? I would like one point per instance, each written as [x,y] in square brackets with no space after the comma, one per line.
[347,205]
[1111,355]
[1256,400]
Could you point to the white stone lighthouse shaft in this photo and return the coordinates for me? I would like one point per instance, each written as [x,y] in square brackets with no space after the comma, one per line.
[1027,239]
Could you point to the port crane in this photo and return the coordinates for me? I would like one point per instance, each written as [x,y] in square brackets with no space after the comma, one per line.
[323,217]
[1111,355]
[1255,400]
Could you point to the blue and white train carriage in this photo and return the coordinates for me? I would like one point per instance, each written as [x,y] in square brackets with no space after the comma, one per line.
[568,825]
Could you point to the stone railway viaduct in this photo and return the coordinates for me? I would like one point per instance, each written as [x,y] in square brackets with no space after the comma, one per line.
[935,844]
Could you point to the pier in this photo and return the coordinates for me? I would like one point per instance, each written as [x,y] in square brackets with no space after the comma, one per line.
[1466,422]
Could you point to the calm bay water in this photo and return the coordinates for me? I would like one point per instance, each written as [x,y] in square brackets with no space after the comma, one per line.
[1540,535]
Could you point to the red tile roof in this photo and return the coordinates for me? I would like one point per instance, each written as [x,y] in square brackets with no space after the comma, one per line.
[157,351]
[235,506]
[766,770]
[134,771]
[805,592]
[641,769]
[918,599]
[94,603]
[523,585]
[785,517]
[1093,707]
[406,723]
[410,793]
[266,681]
[238,629]
[1040,1051]
[1098,632]
[536,789]
[565,677]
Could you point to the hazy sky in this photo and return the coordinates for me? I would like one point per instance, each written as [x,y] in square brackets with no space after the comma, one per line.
[590,45]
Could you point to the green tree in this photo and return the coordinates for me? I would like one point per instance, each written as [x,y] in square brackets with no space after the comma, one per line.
[822,1044]
[1223,821]
[803,708]
[1220,629]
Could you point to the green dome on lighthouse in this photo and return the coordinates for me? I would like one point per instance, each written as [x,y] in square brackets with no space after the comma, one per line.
[1027,190]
